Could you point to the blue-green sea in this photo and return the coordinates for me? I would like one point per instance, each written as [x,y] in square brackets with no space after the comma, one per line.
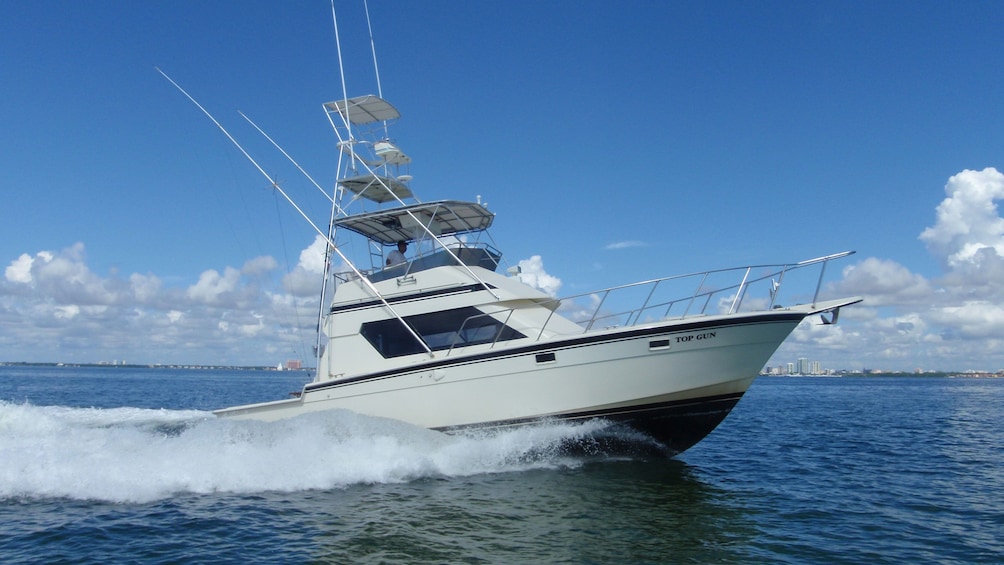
[128,465]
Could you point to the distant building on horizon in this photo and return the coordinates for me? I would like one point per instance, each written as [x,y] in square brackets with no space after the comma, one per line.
[804,366]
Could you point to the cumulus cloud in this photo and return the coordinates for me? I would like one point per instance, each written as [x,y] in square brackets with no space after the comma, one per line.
[214,288]
[949,322]
[19,271]
[144,287]
[971,318]
[259,265]
[64,276]
[884,281]
[968,239]
[52,303]
[969,229]
[532,273]
[305,278]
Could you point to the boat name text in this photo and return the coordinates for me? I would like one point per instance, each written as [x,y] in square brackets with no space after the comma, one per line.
[692,337]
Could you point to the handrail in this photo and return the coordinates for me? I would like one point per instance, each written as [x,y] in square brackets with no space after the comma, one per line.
[734,293]
[345,276]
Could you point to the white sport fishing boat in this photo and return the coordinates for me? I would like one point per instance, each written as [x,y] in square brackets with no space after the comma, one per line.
[451,339]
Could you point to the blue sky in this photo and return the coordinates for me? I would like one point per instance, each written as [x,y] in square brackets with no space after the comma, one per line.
[706,134]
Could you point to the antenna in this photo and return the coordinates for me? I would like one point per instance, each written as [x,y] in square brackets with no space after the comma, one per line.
[341,68]
[376,69]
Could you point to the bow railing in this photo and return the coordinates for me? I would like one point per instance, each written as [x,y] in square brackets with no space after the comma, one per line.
[721,291]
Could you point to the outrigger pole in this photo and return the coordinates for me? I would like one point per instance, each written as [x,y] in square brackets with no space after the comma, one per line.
[327,238]
[291,160]
[335,209]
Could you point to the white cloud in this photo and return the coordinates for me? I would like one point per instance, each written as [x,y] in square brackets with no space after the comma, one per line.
[214,288]
[145,287]
[532,273]
[972,318]
[883,281]
[66,312]
[624,245]
[312,258]
[19,270]
[59,306]
[259,265]
[64,275]
[951,322]
[969,229]
[581,309]
[305,278]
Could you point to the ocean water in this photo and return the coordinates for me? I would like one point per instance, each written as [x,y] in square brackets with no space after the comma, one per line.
[103,465]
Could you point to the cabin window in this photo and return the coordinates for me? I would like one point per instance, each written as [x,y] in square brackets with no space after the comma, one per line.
[439,330]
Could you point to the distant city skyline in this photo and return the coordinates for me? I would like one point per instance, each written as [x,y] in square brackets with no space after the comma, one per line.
[811,367]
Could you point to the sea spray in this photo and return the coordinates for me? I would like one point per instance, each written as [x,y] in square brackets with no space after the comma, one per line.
[139,455]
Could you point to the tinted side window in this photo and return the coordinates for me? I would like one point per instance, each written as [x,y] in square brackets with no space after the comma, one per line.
[439,330]
[390,338]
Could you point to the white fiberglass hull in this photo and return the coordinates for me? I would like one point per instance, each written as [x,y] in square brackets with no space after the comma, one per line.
[673,380]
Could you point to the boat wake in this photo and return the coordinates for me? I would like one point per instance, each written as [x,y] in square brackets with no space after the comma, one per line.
[140,455]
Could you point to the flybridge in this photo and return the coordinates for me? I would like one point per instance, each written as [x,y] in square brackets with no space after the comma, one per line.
[363,110]
[372,169]
[444,217]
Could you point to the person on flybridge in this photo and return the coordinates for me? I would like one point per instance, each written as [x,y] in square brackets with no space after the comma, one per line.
[397,257]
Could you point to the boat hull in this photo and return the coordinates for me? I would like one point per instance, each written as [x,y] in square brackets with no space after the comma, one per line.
[674,381]
[670,427]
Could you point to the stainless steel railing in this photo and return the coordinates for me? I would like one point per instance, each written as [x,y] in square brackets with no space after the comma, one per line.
[681,296]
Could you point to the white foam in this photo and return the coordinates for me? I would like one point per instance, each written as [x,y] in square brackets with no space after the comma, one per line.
[133,454]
